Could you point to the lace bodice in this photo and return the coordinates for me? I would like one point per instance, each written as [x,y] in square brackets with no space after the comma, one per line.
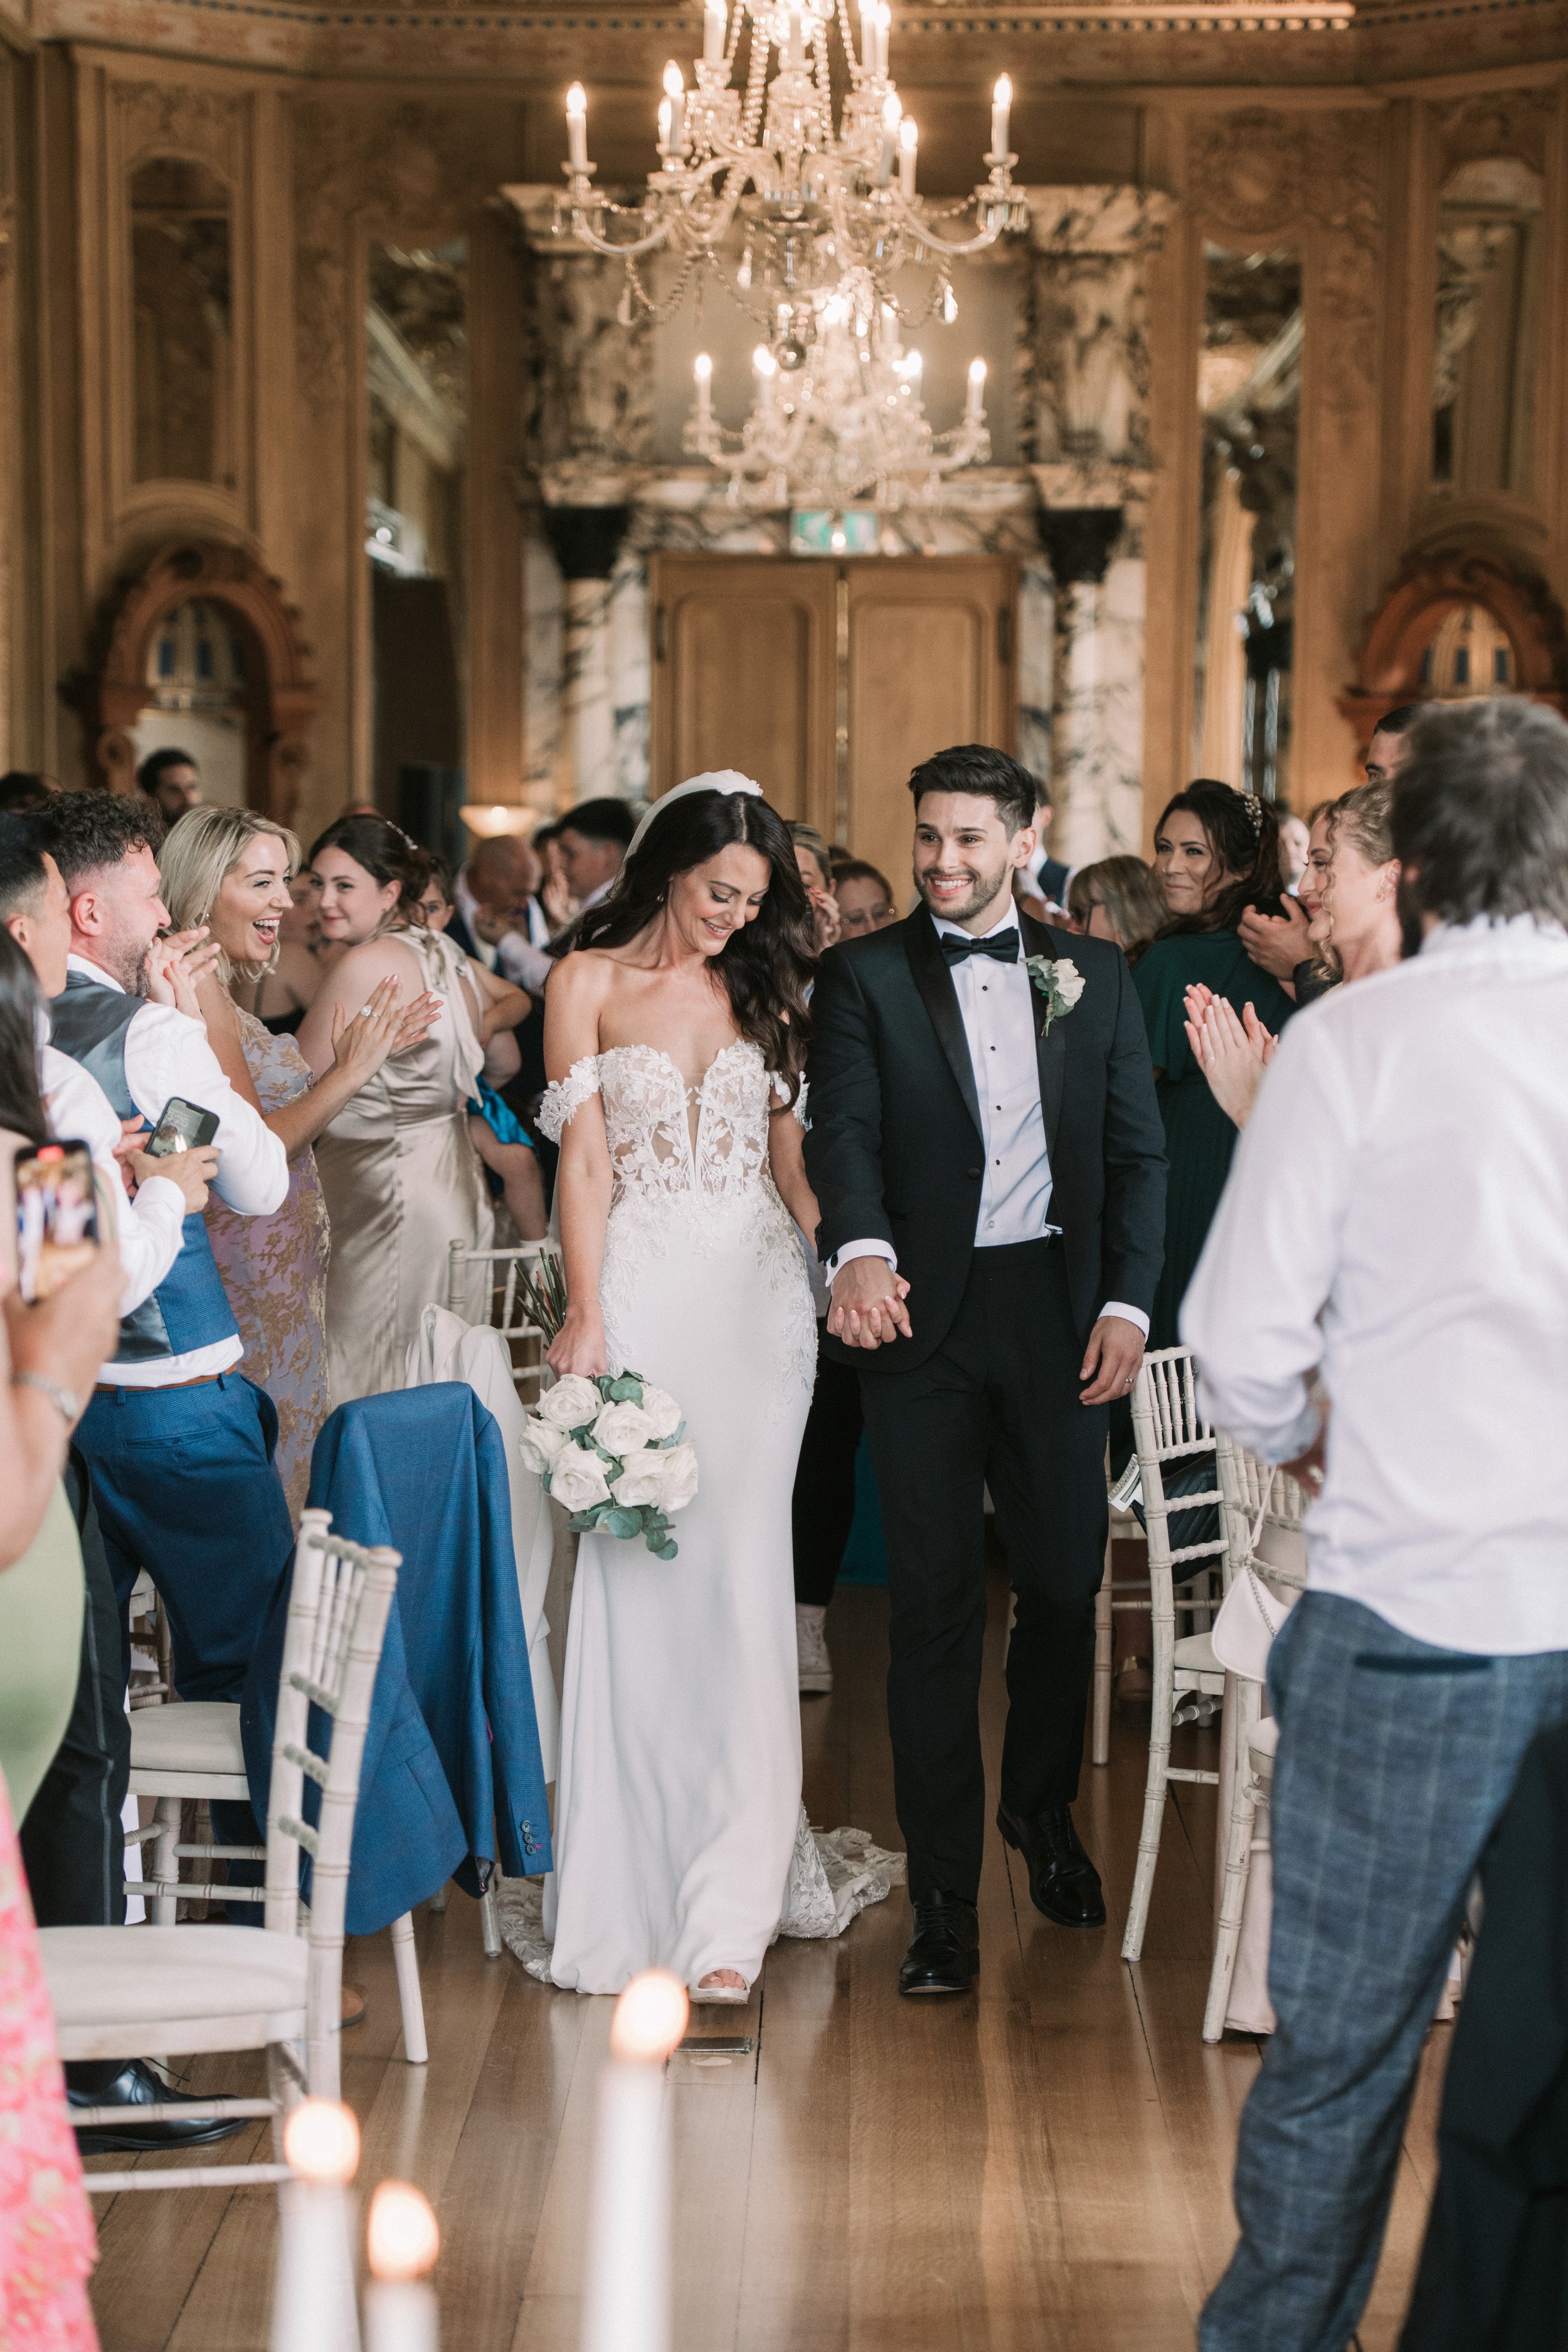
[668,1138]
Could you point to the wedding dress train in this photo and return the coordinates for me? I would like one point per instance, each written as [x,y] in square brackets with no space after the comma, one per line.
[679,1838]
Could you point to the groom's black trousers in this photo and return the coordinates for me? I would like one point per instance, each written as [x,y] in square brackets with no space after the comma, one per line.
[998,1405]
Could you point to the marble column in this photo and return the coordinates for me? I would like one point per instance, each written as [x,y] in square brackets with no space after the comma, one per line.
[585,541]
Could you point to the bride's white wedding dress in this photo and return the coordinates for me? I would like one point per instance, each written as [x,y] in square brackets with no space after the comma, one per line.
[679,1839]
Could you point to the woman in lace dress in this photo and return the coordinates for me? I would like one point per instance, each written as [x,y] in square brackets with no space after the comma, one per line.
[230,869]
[674,1039]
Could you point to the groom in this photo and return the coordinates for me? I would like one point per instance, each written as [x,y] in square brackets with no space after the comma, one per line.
[989,1159]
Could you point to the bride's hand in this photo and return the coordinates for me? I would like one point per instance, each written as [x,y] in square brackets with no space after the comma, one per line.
[579,1344]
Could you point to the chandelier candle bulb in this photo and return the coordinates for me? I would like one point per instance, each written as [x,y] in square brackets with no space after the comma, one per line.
[766,366]
[702,369]
[884,26]
[577,127]
[674,138]
[909,143]
[1000,109]
[313,2296]
[891,112]
[869,36]
[626,2298]
[715,23]
[402,2243]
[973,411]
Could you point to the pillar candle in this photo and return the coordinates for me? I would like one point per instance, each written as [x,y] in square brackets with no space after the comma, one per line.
[313,2296]
[627,2300]
[401,2314]
[1001,107]
[577,127]
[674,92]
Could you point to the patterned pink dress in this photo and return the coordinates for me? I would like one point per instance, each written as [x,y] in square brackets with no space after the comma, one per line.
[48,2245]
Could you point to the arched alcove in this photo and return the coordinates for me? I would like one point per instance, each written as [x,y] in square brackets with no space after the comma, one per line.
[279,697]
[1407,655]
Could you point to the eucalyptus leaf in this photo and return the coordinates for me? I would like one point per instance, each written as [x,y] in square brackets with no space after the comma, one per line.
[622,1523]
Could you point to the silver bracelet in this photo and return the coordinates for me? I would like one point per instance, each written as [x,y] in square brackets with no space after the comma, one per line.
[59,1396]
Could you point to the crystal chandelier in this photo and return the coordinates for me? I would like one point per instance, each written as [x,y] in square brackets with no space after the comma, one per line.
[824,211]
[847,423]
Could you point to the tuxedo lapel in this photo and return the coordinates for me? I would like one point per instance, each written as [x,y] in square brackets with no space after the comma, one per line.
[1050,1046]
[931,977]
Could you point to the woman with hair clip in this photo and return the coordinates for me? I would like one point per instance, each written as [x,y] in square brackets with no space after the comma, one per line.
[400,1174]
[674,1038]
[1216,853]
[231,870]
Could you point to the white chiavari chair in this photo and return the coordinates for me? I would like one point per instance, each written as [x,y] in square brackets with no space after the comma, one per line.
[1169,1430]
[482,1286]
[1263,1510]
[118,1992]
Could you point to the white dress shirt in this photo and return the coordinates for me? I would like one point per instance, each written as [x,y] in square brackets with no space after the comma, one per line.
[168,1054]
[518,956]
[1397,1217]
[996,1004]
[151,1228]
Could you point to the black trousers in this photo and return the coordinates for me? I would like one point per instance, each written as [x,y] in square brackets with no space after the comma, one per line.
[822,1510]
[998,1405]
[73,1846]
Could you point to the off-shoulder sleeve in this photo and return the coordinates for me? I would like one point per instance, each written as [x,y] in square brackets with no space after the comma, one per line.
[564,1098]
[781,1095]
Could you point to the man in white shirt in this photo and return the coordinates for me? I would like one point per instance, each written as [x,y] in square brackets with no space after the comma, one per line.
[179,1443]
[594,837]
[983,1136]
[1395,1221]
[497,920]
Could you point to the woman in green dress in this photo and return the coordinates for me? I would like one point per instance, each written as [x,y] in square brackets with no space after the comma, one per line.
[1216,852]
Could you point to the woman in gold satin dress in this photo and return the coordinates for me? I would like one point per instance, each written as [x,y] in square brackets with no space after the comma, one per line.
[402,1178]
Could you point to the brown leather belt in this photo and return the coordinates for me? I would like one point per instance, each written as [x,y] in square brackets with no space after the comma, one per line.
[138,1387]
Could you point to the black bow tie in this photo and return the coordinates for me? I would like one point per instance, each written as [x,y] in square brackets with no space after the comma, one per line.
[1003,945]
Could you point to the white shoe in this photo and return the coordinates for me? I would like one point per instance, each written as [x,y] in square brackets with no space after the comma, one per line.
[811,1649]
[728,1996]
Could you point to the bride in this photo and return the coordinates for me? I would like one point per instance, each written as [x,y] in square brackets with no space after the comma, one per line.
[674,1039]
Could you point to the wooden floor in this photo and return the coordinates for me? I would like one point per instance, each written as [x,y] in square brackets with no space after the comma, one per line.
[1045,2164]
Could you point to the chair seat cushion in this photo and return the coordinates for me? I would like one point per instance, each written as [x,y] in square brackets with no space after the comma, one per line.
[1262,1744]
[201,1737]
[1193,1654]
[112,1976]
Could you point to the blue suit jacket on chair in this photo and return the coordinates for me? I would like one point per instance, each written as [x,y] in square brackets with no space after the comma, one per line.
[452,1781]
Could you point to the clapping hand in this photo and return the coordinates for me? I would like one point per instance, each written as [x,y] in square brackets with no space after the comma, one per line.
[383,1025]
[177,965]
[1232,1055]
[1278,943]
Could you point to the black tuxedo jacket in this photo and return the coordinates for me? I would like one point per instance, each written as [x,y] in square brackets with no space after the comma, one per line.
[894,1148]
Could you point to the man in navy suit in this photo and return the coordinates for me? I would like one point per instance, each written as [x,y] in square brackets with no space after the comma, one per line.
[989,1159]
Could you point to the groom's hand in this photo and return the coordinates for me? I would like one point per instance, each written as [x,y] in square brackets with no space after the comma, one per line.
[867,1305]
[1111,1359]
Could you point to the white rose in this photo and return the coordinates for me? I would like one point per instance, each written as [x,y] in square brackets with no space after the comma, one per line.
[577,1480]
[1070,980]
[642,1481]
[624,1429]
[662,1412]
[541,1444]
[570,1404]
[680,1476]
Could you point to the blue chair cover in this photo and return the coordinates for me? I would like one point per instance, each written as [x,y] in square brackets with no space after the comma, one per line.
[452,1767]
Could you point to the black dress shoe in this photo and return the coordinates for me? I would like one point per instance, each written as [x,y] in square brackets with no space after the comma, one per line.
[1063,1881]
[136,2086]
[944,1950]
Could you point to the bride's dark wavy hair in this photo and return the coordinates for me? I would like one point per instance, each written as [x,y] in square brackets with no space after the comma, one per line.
[766,967]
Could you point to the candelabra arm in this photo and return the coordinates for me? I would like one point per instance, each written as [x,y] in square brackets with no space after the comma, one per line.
[911,220]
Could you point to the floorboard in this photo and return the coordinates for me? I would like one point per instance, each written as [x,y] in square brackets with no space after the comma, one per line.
[1047,2164]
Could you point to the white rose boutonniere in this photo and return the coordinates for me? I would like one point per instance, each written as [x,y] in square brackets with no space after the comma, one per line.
[1059,981]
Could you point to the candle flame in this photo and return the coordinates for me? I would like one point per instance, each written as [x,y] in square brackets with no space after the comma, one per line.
[1003,93]
[402,2239]
[909,135]
[650,2016]
[576,103]
[321,2140]
[892,109]
[763,361]
[976,371]
[703,367]
[674,87]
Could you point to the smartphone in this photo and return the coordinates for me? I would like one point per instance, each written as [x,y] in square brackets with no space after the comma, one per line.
[57,1215]
[182,1126]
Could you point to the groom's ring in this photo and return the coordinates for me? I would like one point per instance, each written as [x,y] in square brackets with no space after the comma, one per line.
[1127,1383]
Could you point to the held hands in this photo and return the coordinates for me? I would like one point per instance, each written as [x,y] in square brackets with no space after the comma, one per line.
[1111,1363]
[190,1173]
[579,1344]
[868,1307]
[1232,1055]
[177,965]
[384,1026]
[1277,942]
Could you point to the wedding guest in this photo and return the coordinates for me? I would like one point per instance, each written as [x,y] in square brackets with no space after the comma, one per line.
[865,901]
[179,1443]
[1295,840]
[22,792]
[1118,898]
[1390,745]
[1357,931]
[1216,852]
[499,1137]
[1395,1221]
[286,991]
[398,1167]
[494,916]
[814,860]
[1279,939]
[592,840]
[1042,883]
[553,896]
[171,781]
[229,869]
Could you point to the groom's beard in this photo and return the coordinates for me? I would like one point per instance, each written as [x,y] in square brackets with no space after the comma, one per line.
[963,906]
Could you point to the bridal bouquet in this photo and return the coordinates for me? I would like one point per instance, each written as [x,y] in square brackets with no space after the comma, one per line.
[612,1449]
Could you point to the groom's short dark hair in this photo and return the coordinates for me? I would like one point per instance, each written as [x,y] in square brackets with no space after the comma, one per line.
[1480,812]
[992,775]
